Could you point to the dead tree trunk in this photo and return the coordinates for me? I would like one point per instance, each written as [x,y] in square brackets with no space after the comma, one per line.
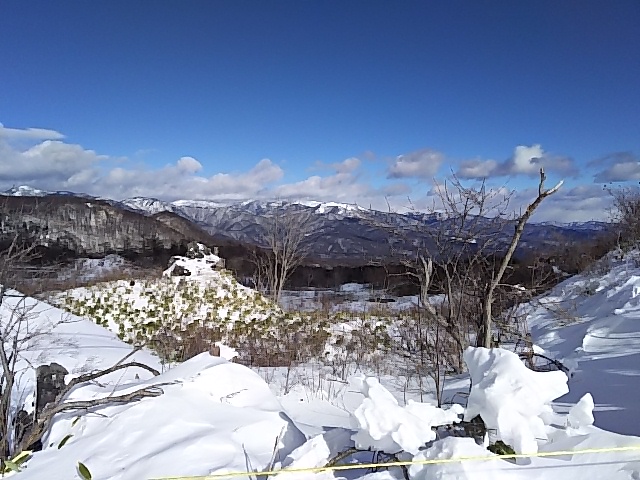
[497,277]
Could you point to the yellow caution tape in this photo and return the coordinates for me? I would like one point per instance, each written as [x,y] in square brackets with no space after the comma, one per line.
[364,466]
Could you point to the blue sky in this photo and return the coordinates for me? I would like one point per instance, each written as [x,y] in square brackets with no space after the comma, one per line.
[326,100]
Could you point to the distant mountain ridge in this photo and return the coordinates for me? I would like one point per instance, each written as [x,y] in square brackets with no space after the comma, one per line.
[71,225]
[342,233]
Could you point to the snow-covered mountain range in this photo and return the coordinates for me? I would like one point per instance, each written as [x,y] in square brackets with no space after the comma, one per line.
[342,232]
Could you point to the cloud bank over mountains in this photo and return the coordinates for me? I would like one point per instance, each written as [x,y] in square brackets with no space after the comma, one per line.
[42,158]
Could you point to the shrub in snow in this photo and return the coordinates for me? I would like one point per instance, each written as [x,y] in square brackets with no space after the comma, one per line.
[187,314]
[383,425]
[513,401]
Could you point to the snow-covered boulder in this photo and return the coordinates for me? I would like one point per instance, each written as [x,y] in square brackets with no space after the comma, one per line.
[199,261]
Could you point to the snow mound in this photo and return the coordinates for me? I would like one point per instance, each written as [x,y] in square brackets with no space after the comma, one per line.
[450,448]
[213,417]
[316,452]
[581,414]
[513,401]
[384,425]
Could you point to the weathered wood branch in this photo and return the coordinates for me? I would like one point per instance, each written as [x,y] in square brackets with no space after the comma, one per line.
[342,455]
[42,423]
[87,377]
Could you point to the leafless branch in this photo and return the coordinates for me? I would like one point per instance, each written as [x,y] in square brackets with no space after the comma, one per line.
[42,423]
[497,278]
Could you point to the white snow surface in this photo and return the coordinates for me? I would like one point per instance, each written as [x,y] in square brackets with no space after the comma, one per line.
[216,417]
[581,414]
[448,448]
[199,267]
[384,425]
[591,322]
[513,401]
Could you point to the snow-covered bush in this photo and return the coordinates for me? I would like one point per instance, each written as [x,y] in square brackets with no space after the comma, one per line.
[382,424]
[513,401]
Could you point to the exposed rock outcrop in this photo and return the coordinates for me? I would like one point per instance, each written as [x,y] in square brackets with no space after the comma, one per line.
[88,227]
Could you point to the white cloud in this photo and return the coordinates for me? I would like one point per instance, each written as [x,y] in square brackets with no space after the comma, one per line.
[181,181]
[341,185]
[240,185]
[420,164]
[624,166]
[578,204]
[620,172]
[56,165]
[29,133]
[396,189]
[27,157]
[189,165]
[348,165]
[477,168]
[525,160]
[46,163]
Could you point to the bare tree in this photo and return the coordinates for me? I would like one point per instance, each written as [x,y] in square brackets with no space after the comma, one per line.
[625,215]
[497,276]
[456,239]
[286,237]
[453,259]
[13,336]
[460,267]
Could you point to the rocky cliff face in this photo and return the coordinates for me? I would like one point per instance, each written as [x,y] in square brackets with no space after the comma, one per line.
[84,227]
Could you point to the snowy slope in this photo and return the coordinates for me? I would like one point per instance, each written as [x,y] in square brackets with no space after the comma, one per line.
[592,323]
[74,342]
[217,417]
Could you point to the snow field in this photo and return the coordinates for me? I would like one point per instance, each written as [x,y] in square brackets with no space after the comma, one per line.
[217,417]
